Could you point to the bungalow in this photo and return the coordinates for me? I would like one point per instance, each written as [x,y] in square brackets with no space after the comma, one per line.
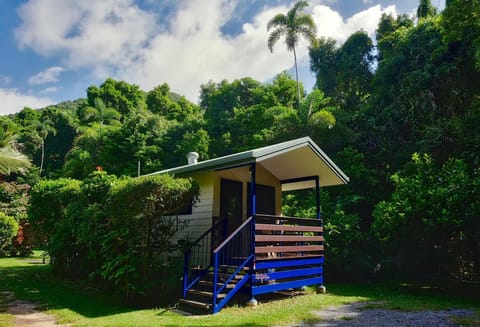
[240,239]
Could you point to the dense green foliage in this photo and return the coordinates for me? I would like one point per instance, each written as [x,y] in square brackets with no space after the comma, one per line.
[374,106]
[433,212]
[14,202]
[108,229]
[8,229]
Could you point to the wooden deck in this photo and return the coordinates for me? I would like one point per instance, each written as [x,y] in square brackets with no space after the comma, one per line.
[282,237]
[273,253]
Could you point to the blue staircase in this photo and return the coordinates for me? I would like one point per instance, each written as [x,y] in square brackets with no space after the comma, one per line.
[211,281]
[265,254]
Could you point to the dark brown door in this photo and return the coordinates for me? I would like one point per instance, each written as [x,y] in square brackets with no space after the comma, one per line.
[265,199]
[231,203]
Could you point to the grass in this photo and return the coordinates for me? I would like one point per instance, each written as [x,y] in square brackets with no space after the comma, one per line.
[80,305]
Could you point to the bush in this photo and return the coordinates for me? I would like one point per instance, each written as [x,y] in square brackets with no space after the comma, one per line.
[114,230]
[138,245]
[348,254]
[14,201]
[8,229]
[431,223]
[49,199]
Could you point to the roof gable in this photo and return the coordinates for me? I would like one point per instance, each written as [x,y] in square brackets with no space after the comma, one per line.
[287,160]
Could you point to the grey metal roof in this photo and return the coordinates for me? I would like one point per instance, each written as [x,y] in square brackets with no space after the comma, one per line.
[274,157]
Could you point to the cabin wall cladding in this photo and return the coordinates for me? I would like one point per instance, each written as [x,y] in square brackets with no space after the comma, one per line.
[190,227]
[201,218]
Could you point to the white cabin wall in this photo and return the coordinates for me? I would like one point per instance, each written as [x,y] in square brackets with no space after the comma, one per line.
[201,218]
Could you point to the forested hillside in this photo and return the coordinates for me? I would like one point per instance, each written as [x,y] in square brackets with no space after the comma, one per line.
[400,115]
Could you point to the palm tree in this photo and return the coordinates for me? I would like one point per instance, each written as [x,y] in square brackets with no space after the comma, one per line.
[44,128]
[294,24]
[12,160]
[102,114]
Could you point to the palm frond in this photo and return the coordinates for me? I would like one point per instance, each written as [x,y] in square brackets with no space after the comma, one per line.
[309,35]
[274,37]
[12,161]
[297,7]
[45,127]
[277,21]
[306,21]
[90,113]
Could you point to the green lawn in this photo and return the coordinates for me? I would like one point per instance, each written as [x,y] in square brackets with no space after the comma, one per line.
[83,306]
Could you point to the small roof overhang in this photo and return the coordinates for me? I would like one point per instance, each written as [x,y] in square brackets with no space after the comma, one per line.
[289,160]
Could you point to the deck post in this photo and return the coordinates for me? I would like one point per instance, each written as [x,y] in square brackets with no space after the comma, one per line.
[186,269]
[317,197]
[215,281]
[253,191]
[321,287]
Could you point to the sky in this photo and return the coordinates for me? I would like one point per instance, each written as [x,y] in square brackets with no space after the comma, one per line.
[53,50]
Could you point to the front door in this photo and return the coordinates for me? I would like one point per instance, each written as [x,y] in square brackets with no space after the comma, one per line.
[231,203]
[265,202]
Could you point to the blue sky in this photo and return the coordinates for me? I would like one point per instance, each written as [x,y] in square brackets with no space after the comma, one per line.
[52,50]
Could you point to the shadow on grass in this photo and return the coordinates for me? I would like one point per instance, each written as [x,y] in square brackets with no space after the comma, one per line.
[36,282]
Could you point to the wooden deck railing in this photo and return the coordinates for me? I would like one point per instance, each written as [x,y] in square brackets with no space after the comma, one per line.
[287,237]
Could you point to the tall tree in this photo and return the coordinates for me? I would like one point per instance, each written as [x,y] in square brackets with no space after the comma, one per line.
[344,73]
[323,62]
[425,9]
[44,128]
[294,24]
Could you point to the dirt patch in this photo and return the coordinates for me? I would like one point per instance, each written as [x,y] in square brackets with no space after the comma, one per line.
[354,315]
[27,313]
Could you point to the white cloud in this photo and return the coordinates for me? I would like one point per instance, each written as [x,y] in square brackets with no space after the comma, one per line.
[101,35]
[195,52]
[51,89]
[331,24]
[185,49]
[13,101]
[47,76]
[5,80]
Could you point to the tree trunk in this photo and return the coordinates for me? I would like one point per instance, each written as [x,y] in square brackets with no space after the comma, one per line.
[296,75]
[43,156]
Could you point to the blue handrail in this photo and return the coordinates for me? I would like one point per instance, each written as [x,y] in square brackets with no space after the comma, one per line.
[237,253]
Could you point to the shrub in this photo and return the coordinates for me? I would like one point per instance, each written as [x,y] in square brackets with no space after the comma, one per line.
[8,229]
[113,230]
[49,199]
[138,246]
[431,222]
[14,201]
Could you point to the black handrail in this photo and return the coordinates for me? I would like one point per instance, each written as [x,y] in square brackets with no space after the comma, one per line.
[198,256]
[238,230]
[207,232]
